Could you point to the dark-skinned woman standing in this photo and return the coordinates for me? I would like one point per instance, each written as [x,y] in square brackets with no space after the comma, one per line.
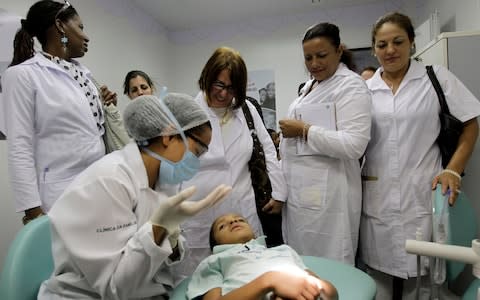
[54,115]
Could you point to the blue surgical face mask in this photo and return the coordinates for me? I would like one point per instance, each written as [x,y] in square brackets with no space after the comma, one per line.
[175,172]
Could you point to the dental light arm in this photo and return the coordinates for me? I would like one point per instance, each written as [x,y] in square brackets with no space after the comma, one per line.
[450,252]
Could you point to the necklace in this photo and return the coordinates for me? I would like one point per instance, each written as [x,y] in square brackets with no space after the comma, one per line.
[223,114]
[390,84]
[225,118]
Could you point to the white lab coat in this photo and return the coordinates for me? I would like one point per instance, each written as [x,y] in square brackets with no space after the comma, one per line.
[402,158]
[51,133]
[228,164]
[102,242]
[322,213]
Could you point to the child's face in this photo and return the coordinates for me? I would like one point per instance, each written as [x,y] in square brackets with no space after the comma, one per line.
[232,229]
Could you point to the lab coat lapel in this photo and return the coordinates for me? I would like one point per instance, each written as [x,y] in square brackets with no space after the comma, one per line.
[238,120]
[45,62]
[415,71]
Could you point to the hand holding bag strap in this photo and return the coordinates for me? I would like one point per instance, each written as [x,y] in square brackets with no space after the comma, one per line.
[438,90]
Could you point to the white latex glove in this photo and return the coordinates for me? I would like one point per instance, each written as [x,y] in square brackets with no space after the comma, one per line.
[173,211]
[173,237]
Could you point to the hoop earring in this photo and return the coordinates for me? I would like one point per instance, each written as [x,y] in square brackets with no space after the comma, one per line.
[64,41]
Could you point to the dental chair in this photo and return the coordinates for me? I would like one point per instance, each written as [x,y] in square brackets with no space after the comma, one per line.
[29,262]
[351,283]
[463,226]
[463,229]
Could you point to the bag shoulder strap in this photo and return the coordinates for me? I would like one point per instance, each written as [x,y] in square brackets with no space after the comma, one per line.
[438,89]
[248,116]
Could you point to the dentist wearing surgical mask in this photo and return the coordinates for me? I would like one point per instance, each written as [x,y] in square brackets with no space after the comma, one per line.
[114,236]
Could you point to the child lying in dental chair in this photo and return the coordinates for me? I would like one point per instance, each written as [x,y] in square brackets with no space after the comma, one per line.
[242,267]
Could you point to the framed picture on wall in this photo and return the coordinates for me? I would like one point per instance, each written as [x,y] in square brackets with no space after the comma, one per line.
[261,87]
[363,57]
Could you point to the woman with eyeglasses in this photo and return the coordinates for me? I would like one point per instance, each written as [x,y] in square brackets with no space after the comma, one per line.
[223,85]
[54,117]
[115,233]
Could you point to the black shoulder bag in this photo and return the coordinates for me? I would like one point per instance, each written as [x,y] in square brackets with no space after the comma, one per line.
[451,127]
[262,187]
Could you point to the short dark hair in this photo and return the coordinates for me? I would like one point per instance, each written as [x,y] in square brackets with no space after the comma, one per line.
[332,33]
[211,238]
[132,74]
[230,59]
[398,19]
[369,68]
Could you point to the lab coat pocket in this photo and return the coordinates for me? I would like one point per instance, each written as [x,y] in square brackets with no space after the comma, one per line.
[53,183]
[421,192]
[309,190]
[371,197]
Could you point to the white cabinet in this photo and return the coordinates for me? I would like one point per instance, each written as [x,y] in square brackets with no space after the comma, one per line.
[458,51]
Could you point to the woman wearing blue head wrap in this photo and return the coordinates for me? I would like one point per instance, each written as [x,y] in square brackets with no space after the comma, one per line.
[114,236]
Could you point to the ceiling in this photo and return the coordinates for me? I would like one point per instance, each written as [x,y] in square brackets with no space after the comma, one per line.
[179,15]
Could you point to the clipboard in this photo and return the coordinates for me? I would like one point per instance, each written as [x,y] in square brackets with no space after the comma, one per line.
[318,114]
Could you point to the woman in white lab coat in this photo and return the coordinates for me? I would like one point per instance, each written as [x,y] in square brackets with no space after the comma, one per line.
[403,161]
[320,160]
[223,85]
[114,236]
[54,118]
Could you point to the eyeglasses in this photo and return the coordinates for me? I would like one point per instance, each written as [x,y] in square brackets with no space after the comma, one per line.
[220,86]
[203,146]
[63,9]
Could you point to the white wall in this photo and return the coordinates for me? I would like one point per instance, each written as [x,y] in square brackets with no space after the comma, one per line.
[459,15]
[117,45]
[267,44]
[122,38]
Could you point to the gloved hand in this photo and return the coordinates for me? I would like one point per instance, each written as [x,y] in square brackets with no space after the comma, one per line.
[173,211]
[173,237]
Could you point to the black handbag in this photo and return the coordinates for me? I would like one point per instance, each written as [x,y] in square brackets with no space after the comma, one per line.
[451,127]
[262,187]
